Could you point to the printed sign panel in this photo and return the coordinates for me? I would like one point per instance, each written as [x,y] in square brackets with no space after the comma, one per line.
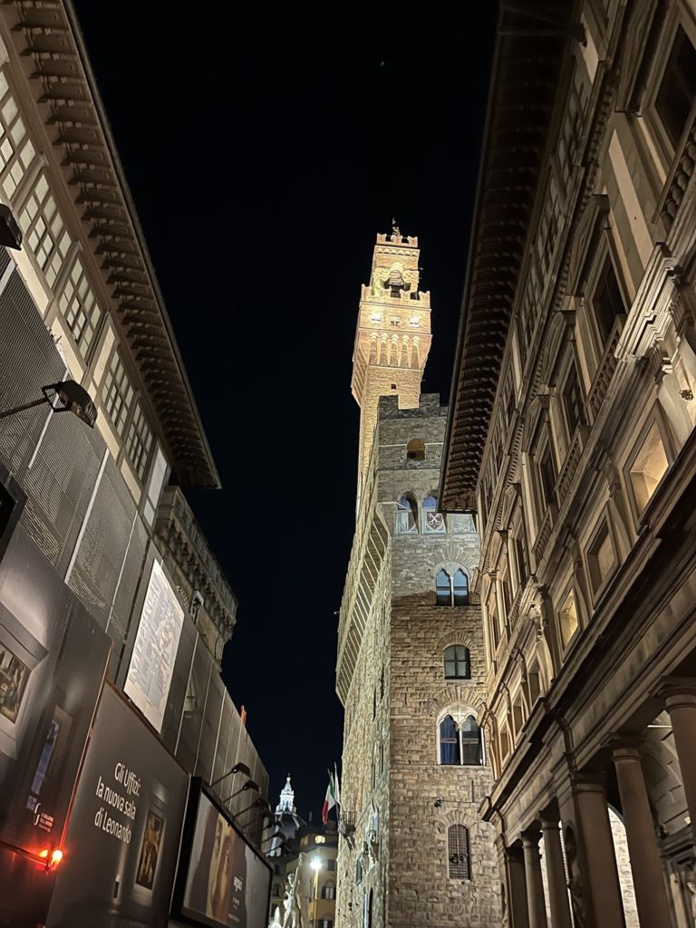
[223,881]
[125,827]
[154,652]
[53,658]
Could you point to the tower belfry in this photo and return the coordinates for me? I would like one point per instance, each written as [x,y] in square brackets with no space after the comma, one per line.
[393,337]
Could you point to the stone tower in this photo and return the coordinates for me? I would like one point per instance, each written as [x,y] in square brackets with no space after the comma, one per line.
[410,666]
[392,340]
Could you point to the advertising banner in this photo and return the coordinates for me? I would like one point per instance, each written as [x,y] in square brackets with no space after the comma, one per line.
[53,659]
[222,881]
[125,827]
[154,652]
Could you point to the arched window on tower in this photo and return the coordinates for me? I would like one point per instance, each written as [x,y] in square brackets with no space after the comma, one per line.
[449,742]
[472,745]
[457,663]
[461,743]
[452,589]
[406,515]
[458,852]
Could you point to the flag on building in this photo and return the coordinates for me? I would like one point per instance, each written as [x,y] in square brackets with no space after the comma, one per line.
[329,799]
[337,789]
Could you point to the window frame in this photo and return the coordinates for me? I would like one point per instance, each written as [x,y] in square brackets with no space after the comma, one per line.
[598,584]
[654,417]
[454,851]
[665,148]
[459,718]
[465,661]
[452,592]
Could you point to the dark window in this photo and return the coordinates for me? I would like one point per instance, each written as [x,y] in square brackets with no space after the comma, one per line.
[457,663]
[458,852]
[607,299]
[573,400]
[415,450]
[328,891]
[678,88]
[330,864]
[547,475]
[521,555]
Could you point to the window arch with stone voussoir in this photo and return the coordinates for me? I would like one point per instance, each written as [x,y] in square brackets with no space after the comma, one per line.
[459,738]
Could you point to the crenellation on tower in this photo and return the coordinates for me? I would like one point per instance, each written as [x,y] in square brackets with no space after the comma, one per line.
[393,334]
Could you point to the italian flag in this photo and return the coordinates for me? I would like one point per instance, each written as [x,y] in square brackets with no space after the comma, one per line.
[331,799]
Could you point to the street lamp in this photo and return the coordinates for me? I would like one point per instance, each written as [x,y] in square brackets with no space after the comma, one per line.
[258,803]
[250,784]
[239,767]
[72,397]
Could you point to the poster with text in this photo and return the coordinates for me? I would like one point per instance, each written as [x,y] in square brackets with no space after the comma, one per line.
[154,652]
[125,827]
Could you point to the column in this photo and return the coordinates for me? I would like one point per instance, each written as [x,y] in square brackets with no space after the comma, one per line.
[555,871]
[680,702]
[597,897]
[536,905]
[511,865]
[648,880]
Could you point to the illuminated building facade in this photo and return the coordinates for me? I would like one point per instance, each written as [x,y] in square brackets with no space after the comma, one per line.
[571,433]
[410,669]
[113,609]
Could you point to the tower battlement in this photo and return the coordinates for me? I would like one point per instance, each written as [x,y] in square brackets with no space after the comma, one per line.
[396,238]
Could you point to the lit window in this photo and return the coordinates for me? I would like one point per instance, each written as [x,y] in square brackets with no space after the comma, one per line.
[457,663]
[458,852]
[118,393]
[568,618]
[78,306]
[648,468]
[44,232]
[16,149]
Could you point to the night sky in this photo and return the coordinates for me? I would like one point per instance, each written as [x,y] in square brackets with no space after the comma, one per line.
[262,165]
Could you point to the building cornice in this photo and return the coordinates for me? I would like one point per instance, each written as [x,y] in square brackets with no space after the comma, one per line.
[68,101]
[526,67]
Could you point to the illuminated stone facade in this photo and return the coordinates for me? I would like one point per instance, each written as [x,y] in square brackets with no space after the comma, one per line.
[579,344]
[413,848]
